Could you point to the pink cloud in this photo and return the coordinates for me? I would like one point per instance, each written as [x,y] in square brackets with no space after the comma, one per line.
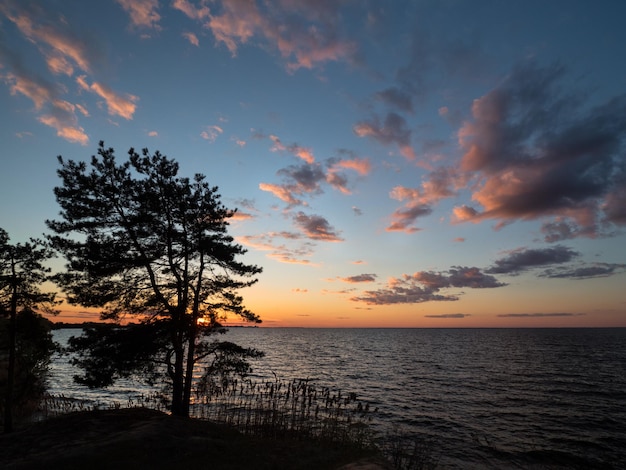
[361,165]
[426,286]
[359,278]
[614,205]
[193,12]
[440,184]
[62,44]
[57,113]
[142,12]
[39,93]
[237,23]
[312,47]
[337,181]
[64,50]
[62,117]
[239,216]
[59,64]
[301,34]
[281,192]
[277,144]
[308,177]
[279,251]
[192,38]
[117,105]
[289,259]
[538,153]
[392,131]
[465,213]
[211,133]
[303,153]
[316,227]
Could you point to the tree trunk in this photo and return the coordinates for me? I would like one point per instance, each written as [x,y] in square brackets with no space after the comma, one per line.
[177,386]
[191,351]
[8,404]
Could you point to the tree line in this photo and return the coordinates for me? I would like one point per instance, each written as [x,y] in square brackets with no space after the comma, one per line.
[140,242]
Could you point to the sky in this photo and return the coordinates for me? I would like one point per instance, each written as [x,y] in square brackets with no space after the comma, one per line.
[442,163]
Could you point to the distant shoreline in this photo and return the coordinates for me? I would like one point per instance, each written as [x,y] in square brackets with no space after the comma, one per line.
[64,325]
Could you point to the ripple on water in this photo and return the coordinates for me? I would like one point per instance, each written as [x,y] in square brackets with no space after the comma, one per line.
[488,398]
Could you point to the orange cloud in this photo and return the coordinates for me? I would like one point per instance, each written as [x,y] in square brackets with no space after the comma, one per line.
[238,216]
[63,120]
[282,193]
[35,91]
[117,105]
[289,259]
[62,44]
[59,114]
[440,184]
[361,165]
[464,213]
[304,153]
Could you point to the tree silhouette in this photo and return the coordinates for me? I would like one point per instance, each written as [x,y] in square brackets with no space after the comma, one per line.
[22,273]
[142,241]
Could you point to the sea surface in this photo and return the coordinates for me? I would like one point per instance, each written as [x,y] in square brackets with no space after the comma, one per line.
[479,398]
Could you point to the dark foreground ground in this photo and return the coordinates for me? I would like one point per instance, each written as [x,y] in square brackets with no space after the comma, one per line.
[146,439]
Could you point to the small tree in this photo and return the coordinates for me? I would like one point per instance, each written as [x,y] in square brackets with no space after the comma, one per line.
[140,240]
[22,273]
[34,346]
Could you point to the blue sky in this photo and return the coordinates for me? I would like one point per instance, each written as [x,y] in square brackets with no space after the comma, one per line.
[418,163]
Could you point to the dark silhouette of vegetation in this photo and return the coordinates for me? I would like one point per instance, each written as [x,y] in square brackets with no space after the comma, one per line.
[25,340]
[296,413]
[34,347]
[142,241]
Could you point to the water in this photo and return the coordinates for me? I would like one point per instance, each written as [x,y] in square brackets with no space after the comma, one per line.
[482,398]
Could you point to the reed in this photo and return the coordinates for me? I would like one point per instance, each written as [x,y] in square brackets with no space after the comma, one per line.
[56,405]
[407,451]
[299,409]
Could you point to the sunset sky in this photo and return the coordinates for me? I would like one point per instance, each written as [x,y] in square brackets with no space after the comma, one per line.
[441,163]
